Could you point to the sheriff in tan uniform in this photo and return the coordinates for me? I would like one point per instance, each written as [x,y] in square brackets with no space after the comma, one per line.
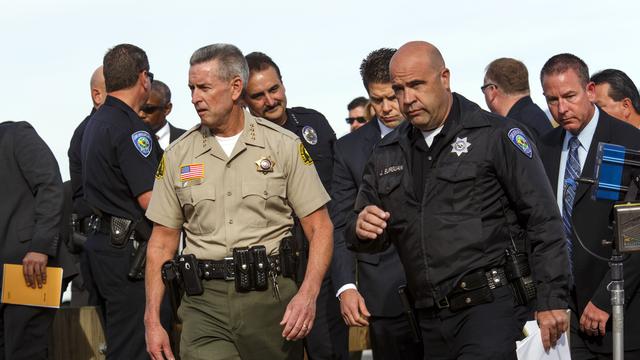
[234,181]
[245,199]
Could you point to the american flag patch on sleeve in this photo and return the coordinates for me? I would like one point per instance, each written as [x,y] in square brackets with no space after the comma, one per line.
[191,171]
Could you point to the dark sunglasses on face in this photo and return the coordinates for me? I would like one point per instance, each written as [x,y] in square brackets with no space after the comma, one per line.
[150,109]
[359,119]
[150,75]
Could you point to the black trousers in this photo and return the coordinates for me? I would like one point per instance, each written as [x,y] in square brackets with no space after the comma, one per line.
[486,331]
[329,337]
[24,332]
[124,300]
[391,339]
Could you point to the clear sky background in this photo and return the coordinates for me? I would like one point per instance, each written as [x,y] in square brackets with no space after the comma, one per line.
[48,49]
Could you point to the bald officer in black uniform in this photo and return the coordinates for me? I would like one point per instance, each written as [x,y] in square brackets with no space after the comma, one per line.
[265,96]
[119,158]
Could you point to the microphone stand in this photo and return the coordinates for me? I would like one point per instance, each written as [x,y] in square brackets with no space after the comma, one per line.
[616,286]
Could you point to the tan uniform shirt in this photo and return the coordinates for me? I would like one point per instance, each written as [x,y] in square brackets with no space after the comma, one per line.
[242,200]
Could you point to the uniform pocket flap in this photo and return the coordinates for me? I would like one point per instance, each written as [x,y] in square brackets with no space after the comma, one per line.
[458,173]
[387,184]
[257,188]
[373,259]
[203,192]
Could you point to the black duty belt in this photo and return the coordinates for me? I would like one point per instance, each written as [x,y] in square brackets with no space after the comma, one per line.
[100,224]
[473,289]
[225,269]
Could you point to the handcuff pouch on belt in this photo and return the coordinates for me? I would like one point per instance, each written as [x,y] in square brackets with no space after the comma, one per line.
[471,290]
[251,268]
[121,230]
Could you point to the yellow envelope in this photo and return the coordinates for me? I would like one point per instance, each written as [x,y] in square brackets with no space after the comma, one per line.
[16,291]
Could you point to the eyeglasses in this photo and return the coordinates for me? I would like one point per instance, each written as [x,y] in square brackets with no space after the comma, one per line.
[150,109]
[359,119]
[150,75]
[486,86]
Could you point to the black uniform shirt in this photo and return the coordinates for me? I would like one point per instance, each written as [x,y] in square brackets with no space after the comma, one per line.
[486,185]
[318,138]
[422,155]
[119,158]
[80,206]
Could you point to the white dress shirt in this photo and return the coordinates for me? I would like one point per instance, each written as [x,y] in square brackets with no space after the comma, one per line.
[585,137]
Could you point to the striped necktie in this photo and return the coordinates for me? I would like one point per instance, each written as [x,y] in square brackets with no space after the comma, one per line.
[571,173]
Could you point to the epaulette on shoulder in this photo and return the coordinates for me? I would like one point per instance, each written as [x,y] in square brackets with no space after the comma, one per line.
[277,128]
[304,110]
[195,129]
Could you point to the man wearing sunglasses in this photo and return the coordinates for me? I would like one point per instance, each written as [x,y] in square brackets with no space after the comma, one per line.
[155,111]
[357,113]
[119,160]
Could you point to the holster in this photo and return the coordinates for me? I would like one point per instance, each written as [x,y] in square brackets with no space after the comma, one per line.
[289,258]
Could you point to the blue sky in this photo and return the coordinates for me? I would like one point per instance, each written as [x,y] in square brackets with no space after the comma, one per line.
[50,48]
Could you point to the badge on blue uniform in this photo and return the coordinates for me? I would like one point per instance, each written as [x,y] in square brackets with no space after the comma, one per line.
[310,135]
[521,142]
[142,141]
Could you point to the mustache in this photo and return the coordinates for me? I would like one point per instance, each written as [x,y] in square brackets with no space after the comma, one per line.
[268,108]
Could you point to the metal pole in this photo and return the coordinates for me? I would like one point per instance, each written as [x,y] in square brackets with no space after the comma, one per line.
[616,287]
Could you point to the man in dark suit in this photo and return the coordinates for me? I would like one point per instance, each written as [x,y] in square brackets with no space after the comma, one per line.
[155,111]
[30,215]
[375,300]
[569,152]
[506,91]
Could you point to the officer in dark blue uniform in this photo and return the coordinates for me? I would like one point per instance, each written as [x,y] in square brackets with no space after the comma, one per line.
[265,96]
[119,158]
[82,293]
[456,189]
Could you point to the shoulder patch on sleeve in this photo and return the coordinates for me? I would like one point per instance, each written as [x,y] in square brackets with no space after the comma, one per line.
[521,142]
[304,155]
[142,141]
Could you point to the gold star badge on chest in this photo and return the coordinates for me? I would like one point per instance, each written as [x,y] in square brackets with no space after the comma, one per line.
[265,164]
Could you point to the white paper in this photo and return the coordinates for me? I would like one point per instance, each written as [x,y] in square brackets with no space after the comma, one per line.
[530,348]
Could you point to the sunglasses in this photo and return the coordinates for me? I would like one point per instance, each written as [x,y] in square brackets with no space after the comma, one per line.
[150,75]
[150,109]
[359,119]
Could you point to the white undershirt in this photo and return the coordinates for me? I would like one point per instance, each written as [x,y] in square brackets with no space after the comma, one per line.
[228,143]
[429,135]
[163,136]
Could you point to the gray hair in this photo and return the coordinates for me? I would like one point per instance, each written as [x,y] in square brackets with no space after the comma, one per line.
[231,62]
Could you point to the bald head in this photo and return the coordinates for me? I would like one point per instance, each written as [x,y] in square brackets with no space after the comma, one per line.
[421,51]
[420,81]
[98,90]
